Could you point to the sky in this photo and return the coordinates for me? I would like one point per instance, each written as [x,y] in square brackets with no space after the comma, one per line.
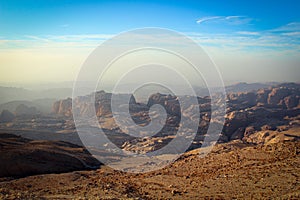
[49,40]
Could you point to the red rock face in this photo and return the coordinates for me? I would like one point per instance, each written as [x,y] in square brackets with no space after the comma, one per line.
[102,104]
[63,107]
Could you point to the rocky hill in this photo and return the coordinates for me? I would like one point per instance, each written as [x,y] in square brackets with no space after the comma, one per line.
[23,157]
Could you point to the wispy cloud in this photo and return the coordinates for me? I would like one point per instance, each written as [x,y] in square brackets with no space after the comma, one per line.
[291,30]
[61,54]
[232,19]
[34,42]
[81,37]
[295,33]
[33,37]
[248,33]
[280,39]
[293,26]
[205,19]
[284,39]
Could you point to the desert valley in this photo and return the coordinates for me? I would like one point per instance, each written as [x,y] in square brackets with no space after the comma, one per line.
[256,155]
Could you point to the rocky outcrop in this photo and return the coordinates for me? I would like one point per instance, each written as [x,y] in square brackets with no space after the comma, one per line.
[265,110]
[101,104]
[285,96]
[247,113]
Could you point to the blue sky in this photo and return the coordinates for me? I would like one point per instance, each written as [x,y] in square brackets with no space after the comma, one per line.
[59,34]
[50,17]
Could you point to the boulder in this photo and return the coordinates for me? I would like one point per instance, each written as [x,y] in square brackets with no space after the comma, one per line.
[250,130]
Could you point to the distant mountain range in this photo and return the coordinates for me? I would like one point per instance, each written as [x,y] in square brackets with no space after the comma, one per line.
[248,87]
[8,94]
[42,105]
[11,97]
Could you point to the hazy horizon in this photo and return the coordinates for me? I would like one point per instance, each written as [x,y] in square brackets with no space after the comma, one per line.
[69,84]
